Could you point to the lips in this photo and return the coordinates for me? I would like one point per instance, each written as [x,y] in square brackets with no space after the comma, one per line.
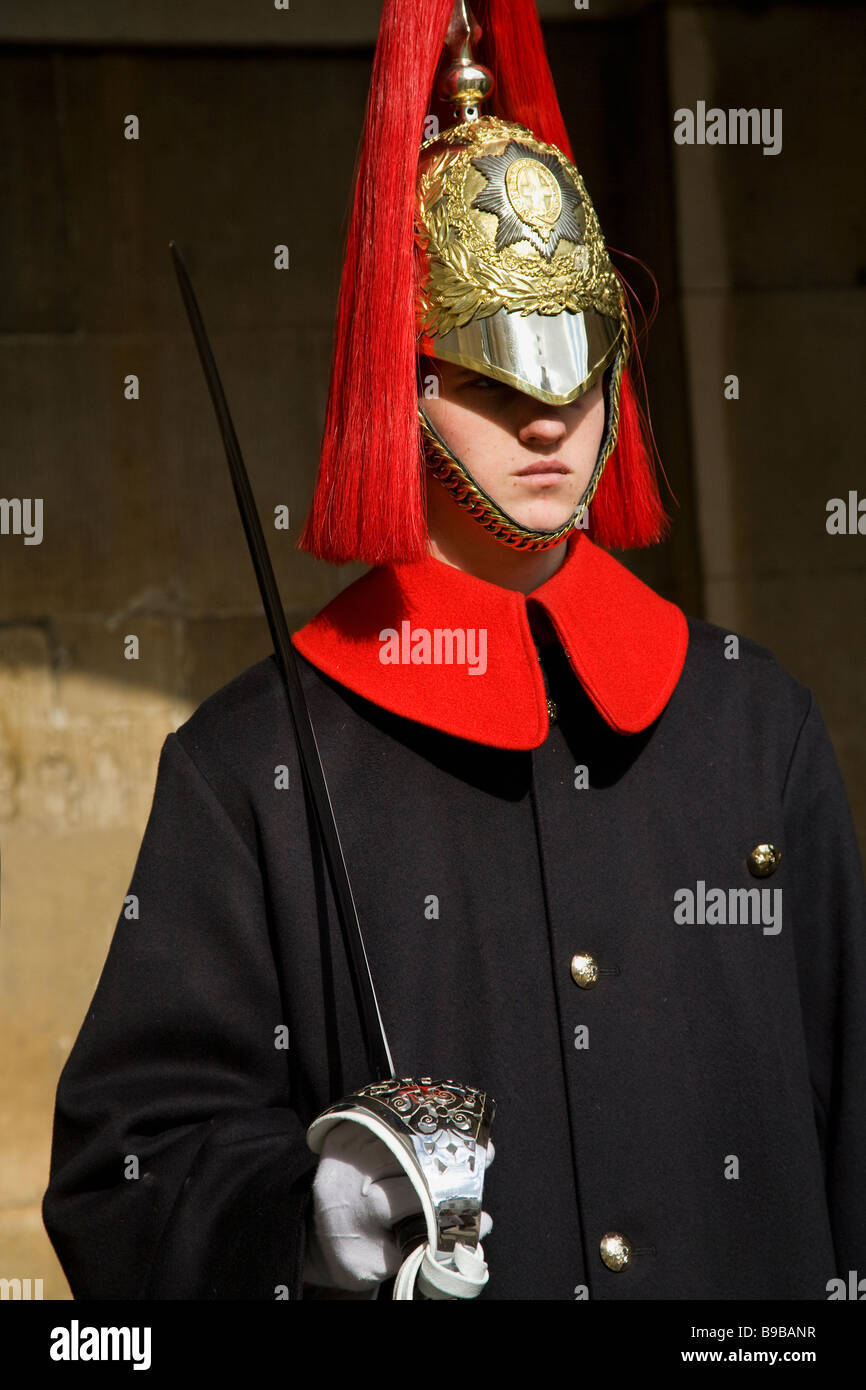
[543,466]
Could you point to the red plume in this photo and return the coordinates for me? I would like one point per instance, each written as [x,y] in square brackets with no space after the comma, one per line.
[369,501]
[512,46]
[626,511]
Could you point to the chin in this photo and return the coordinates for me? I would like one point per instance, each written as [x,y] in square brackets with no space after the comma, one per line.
[544,518]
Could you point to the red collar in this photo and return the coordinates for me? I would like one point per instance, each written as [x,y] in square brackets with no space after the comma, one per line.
[387,638]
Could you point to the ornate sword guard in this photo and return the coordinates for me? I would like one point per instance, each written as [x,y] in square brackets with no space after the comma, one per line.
[438,1131]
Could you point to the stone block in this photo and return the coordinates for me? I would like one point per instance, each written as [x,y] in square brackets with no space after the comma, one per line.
[769,462]
[794,219]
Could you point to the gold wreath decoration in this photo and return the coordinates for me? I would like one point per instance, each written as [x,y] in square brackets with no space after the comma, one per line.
[468,279]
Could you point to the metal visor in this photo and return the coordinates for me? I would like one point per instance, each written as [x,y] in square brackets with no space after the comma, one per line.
[554,357]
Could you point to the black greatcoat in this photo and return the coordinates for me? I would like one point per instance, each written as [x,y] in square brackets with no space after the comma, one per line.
[704,1099]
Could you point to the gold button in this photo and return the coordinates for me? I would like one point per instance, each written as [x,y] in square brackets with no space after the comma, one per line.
[764,860]
[615,1251]
[552,711]
[584,970]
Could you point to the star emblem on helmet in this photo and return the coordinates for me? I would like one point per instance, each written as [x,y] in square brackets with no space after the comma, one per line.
[530,194]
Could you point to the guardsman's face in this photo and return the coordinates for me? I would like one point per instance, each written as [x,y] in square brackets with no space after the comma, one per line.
[534,460]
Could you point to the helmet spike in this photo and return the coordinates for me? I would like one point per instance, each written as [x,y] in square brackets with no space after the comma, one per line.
[462,83]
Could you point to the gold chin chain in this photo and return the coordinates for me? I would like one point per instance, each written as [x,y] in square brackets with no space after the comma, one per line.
[453,475]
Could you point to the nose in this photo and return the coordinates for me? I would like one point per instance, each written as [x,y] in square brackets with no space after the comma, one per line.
[543,429]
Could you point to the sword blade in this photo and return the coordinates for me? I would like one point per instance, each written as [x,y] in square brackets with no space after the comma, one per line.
[375,1041]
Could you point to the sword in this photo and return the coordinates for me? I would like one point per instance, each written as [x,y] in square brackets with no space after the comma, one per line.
[375,1041]
[438,1130]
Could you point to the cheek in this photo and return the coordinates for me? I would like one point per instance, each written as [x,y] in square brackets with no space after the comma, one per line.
[585,443]
[443,416]
[467,434]
[599,417]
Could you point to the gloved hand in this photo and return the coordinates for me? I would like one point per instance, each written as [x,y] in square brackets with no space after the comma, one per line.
[359,1193]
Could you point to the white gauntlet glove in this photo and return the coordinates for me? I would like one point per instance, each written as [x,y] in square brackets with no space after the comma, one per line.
[360,1192]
